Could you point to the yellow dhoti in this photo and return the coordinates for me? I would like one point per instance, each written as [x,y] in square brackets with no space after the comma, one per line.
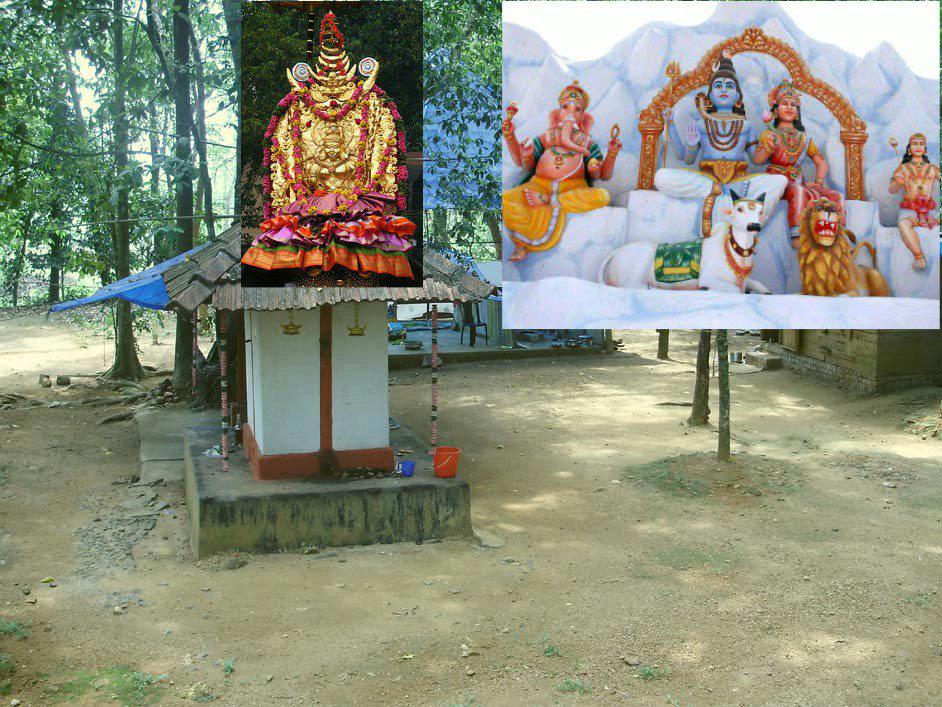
[538,228]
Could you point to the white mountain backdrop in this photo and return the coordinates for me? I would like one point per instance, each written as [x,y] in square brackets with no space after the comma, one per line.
[887,95]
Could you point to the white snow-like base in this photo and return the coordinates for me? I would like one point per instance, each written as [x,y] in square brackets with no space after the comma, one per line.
[570,303]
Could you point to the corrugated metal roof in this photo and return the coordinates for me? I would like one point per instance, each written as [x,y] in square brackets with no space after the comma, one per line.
[215,271]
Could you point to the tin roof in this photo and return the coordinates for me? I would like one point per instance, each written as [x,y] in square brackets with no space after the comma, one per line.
[213,274]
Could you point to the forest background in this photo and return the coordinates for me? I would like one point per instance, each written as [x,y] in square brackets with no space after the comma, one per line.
[119,127]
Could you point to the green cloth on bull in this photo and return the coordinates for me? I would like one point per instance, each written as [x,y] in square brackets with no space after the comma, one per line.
[678,262]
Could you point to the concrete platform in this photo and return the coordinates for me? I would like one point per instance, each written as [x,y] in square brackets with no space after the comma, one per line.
[160,431]
[232,511]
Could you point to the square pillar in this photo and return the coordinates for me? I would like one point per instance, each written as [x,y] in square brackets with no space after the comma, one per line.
[318,399]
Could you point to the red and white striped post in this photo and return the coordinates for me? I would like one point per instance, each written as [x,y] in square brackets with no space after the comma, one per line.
[223,388]
[195,321]
[434,378]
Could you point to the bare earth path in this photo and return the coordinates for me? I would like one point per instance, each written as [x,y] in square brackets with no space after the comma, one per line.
[634,571]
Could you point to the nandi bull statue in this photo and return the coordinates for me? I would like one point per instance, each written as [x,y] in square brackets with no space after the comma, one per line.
[722,262]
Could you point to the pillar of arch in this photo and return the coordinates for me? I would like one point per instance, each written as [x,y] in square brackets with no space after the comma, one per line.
[753,39]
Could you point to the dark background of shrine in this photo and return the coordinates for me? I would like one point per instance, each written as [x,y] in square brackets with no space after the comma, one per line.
[274,38]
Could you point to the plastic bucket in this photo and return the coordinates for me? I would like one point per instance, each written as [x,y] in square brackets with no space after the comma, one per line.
[406,467]
[446,461]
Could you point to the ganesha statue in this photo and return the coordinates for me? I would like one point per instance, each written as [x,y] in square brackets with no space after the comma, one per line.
[335,188]
[560,165]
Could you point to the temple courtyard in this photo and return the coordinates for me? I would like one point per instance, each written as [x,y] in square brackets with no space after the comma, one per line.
[618,563]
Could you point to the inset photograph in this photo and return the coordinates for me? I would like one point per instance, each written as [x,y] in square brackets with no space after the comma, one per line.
[722,165]
[331,149]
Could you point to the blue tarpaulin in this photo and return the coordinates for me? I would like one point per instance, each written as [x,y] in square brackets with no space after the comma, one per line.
[145,288]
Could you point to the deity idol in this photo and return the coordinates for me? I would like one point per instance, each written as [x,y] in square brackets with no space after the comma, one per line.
[915,176]
[785,144]
[336,171]
[721,136]
[559,164]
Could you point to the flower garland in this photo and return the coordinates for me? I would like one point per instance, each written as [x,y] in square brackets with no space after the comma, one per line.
[296,177]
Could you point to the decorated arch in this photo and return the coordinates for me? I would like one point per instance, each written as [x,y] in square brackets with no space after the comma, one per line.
[753,39]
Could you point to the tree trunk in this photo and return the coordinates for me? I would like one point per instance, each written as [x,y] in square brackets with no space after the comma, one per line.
[155,155]
[21,257]
[233,13]
[126,364]
[73,89]
[55,263]
[493,223]
[608,341]
[440,226]
[199,137]
[663,342]
[700,413]
[722,355]
[183,184]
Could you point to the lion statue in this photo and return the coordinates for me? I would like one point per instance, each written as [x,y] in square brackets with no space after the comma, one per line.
[827,260]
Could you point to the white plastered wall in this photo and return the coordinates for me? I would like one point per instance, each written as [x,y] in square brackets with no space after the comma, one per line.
[284,382]
[361,378]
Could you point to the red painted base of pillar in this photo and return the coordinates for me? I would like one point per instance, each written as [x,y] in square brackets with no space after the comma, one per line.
[271,467]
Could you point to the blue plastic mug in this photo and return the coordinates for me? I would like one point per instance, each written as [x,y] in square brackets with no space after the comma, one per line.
[406,467]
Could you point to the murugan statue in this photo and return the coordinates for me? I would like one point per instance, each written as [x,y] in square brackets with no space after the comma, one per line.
[336,164]
[559,165]
[722,137]
[785,145]
[916,176]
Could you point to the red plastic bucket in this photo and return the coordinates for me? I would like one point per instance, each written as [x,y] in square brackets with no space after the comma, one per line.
[446,461]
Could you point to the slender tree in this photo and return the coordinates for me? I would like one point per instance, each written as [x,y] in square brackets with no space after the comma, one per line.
[722,355]
[126,364]
[205,183]
[233,14]
[183,183]
[663,343]
[700,413]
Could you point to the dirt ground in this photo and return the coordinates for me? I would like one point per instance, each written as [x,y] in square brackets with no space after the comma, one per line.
[636,570]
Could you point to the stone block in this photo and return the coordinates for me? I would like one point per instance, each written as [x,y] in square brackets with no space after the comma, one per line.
[586,241]
[232,511]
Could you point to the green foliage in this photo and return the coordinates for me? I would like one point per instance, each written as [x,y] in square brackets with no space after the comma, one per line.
[472,232]
[652,672]
[7,667]
[463,92]
[574,685]
[11,628]
[130,688]
[58,180]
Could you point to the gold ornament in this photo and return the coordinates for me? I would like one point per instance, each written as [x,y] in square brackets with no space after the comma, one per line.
[356,329]
[329,110]
[291,328]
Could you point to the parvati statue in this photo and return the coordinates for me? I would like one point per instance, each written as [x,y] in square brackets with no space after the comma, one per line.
[336,161]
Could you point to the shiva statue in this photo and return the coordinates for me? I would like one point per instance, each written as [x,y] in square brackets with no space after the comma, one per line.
[559,165]
[785,145]
[916,176]
[335,188]
[722,137]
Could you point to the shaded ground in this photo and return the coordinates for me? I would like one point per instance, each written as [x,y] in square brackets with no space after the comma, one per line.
[633,571]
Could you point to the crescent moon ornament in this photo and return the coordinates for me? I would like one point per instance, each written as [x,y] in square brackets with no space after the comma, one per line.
[301,72]
[367,66]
